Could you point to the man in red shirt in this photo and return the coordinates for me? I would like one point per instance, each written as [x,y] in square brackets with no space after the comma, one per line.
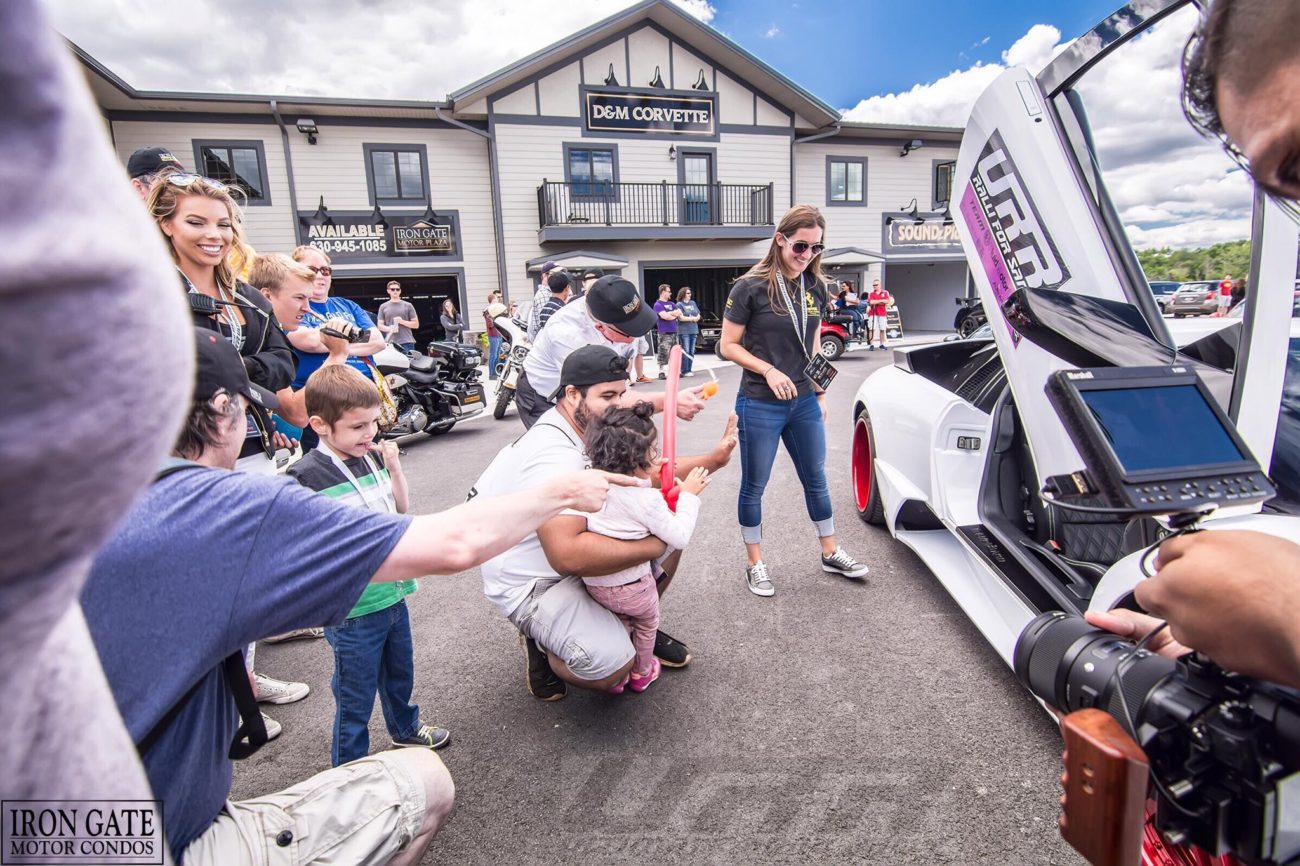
[1225,294]
[878,302]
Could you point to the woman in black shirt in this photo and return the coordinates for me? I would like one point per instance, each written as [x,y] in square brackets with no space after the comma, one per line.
[452,325]
[770,328]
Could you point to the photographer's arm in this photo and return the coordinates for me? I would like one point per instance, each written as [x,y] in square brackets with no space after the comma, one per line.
[470,534]
[1235,596]
[571,549]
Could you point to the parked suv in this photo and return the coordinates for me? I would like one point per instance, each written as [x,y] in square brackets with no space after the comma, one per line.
[1164,292]
[710,332]
[1194,299]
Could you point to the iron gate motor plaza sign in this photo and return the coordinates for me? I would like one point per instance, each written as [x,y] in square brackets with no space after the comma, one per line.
[352,237]
[646,112]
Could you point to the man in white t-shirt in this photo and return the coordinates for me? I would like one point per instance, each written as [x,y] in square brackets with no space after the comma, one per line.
[570,638]
[611,314]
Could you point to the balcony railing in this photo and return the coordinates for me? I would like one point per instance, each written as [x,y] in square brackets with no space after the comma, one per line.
[654,204]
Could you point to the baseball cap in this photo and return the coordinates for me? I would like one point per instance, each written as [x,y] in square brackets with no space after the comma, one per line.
[590,365]
[592,274]
[220,368]
[150,160]
[616,301]
[549,266]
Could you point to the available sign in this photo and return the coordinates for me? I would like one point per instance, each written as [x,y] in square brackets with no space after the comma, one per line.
[354,237]
[650,112]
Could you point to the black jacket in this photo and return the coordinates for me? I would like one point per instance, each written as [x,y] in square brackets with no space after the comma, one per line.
[267,354]
[267,357]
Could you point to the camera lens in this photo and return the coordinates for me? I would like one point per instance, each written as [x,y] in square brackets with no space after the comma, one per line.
[1071,665]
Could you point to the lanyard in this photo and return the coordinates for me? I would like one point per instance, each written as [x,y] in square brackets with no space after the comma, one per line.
[232,320]
[801,327]
[386,498]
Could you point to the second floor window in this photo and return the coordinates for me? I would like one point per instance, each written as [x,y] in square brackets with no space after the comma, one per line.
[847,181]
[943,174]
[399,174]
[236,166]
[591,171]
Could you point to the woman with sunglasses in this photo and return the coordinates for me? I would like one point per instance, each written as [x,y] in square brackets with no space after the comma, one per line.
[203,226]
[770,328]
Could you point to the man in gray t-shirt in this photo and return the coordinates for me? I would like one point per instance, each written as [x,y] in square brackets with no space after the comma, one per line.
[397,318]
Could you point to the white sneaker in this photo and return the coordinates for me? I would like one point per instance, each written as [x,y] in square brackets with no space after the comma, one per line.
[296,634]
[758,581]
[269,690]
[272,727]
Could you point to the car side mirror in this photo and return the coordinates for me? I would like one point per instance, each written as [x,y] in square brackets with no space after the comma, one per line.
[951,338]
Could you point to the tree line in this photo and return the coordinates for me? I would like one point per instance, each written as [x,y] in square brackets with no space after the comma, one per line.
[1206,263]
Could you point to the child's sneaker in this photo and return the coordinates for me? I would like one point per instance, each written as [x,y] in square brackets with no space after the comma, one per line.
[427,737]
[640,684]
[617,688]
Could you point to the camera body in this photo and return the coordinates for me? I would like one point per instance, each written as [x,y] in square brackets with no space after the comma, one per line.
[349,332]
[1224,749]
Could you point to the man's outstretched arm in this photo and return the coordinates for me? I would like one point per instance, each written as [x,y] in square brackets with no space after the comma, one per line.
[467,535]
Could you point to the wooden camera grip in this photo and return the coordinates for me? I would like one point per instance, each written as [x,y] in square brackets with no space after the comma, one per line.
[1105,782]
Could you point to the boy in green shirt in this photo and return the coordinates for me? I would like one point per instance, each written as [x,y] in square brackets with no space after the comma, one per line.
[373,653]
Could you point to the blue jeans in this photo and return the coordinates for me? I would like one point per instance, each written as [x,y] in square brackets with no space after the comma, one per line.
[762,425]
[493,358]
[372,653]
[687,342]
[405,347]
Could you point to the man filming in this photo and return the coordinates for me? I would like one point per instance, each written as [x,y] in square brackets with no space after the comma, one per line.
[1235,595]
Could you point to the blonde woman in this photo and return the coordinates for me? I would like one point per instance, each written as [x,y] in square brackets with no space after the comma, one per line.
[770,329]
[202,224]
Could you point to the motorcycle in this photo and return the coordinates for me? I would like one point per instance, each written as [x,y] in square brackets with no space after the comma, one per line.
[433,391]
[970,316]
[514,337]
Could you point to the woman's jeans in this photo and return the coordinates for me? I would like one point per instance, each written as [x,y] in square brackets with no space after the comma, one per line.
[798,423]
[687,342]
[494,351]
[372,653]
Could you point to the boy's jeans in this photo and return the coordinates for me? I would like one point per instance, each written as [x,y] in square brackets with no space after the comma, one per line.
[372,653]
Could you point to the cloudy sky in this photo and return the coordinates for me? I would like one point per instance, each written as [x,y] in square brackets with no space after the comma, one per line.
[878,60]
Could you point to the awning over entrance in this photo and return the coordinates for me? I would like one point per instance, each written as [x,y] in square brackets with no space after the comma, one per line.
[576,259]
[849,257]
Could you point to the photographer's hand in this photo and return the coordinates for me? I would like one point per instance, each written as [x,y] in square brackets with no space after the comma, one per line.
[1134,626]
[1235,596]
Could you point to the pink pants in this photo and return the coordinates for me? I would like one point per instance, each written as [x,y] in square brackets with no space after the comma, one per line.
[637,604]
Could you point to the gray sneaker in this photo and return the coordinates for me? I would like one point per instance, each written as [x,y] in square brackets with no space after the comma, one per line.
[272,727]
[428,737]
[759,582]
[840,562]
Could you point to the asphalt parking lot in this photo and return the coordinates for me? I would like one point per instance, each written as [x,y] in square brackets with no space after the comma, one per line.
[836,722]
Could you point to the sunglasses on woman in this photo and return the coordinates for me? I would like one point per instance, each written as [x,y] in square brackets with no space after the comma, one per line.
[184,179]
[801,247]
[326,270]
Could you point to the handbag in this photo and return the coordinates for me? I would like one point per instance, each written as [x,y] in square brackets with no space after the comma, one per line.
[387,404]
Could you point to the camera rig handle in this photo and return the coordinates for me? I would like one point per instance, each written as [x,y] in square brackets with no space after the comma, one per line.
[1105,781]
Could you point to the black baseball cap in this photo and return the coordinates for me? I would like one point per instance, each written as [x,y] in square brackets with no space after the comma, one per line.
[151,160]
[590,365]
[616,301]
[219,367]
[592,274]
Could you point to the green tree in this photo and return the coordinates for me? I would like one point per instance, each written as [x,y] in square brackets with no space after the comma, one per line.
[1206,263]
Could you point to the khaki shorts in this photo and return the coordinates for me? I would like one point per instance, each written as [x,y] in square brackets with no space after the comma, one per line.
[365,811]
[569,624]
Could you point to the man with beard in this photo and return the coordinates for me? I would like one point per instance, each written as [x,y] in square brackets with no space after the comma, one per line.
[568,637]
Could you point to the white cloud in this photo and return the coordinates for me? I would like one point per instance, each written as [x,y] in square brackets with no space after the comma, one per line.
[1170,186]
[701,9]
[772,32]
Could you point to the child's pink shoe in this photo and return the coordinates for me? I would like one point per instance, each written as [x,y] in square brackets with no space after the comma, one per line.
[618,688]
[640,684]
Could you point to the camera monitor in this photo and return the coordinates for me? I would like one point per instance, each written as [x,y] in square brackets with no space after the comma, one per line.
[1154,440]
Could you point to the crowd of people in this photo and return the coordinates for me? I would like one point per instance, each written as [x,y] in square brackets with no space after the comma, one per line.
[180,565]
